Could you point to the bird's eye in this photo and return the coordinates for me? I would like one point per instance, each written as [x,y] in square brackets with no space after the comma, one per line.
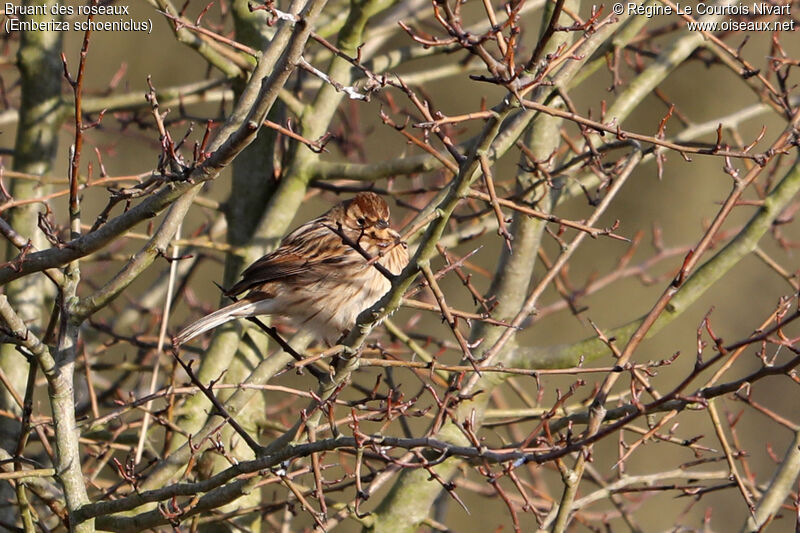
[361,221]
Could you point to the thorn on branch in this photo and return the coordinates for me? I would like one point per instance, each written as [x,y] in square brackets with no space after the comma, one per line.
[161,253]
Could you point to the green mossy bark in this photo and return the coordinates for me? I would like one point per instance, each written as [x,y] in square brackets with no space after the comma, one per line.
[40,118]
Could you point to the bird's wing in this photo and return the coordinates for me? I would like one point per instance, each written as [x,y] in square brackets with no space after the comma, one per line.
[300,251]
[271,267]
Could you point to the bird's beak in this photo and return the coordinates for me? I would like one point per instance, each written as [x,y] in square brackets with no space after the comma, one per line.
[382,224]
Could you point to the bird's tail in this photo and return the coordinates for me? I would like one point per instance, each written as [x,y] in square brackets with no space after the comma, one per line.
[242,308]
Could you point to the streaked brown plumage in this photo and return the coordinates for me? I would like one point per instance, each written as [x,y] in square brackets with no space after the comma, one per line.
[315,279]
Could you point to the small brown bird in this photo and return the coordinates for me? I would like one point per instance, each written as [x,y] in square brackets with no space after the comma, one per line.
[317,278]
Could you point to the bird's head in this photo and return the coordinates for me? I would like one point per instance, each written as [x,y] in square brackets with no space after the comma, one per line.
[367,214]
